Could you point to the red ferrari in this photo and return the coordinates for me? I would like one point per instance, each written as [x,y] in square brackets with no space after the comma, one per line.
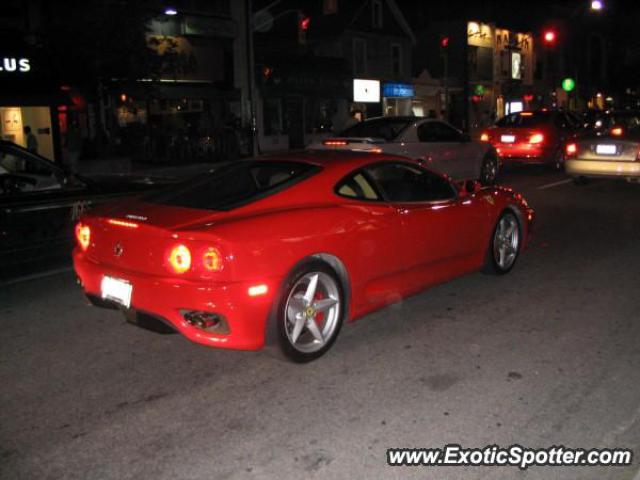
[293,246]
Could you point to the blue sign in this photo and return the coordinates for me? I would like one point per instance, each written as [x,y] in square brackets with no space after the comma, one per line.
[397,90]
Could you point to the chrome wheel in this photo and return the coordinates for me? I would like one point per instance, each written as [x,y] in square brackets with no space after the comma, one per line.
[506,242]
[312,312]
[489,171]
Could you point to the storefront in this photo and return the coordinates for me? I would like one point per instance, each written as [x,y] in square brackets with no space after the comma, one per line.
[28,106]
[397,98]
[301,101]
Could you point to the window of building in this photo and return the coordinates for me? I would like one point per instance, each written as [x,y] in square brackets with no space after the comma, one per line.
[396,58]
[329,7]
[376,13]
[359,56]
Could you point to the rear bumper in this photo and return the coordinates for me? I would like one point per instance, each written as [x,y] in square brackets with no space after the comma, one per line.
[168,298]
[524,153]
[595,168]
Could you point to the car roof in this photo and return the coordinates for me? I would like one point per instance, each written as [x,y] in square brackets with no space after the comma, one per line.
[339,162]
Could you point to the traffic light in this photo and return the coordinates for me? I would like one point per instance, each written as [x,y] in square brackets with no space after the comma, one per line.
[304,22]
[444,42]
[549,37]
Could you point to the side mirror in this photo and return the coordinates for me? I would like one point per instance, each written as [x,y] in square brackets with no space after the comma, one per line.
[468,187]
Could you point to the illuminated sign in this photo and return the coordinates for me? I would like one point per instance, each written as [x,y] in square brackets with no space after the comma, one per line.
[366,91]
[397,90]
[13,64]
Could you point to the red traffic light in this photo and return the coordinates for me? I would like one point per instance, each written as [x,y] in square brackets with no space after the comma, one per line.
[305,22]
[549,37]
[444,42]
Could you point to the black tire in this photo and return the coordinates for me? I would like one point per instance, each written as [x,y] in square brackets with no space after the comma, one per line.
[492,264]
[282,323]
[490,169]
[580,181]
[558,161]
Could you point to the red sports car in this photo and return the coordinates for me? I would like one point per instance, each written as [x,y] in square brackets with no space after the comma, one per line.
[291,247]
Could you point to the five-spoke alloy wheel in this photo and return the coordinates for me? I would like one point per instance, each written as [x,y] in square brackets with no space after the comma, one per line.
[310,313]
[505,245]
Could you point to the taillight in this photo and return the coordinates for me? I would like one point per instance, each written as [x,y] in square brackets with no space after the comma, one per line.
[617,131]
[571,150]
[212,260]
[536,138]
[83,235]
[180,259]
[484,137]
[335,143]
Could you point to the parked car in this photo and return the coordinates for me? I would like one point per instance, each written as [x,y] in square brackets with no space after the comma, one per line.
[610,150]
[291,247]
[533,137]
[40,202]
[438,145]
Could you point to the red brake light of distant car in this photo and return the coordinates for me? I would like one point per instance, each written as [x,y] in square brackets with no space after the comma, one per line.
[212,260]
[484,137]
[180,259]
[571,150]
[122,223]
[526,114]
[334,143]
[617,131]
[536,138]
[83,235]
[376,150]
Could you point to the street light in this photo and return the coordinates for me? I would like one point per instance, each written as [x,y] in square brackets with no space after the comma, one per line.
[597,5]
[170,11]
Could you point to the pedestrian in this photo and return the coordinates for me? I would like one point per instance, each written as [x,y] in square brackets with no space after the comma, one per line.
[74,145]
[32,141]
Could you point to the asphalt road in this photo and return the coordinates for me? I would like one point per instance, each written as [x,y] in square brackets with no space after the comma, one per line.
[547,355]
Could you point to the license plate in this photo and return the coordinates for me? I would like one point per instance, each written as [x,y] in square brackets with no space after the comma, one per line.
[606,149]
[508,138]
[116,290]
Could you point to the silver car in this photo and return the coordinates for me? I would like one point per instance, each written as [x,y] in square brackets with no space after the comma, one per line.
[438,145]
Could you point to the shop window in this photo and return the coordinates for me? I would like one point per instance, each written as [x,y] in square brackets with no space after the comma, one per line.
[329,7]
[319,115]
[396,59]
[376,13]
[359,56]
[272,116]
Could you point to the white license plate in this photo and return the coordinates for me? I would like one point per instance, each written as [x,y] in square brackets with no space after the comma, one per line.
[508,138]
[116,290]
[606,149]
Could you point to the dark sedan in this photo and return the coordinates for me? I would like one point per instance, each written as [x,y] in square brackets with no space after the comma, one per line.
[40,201]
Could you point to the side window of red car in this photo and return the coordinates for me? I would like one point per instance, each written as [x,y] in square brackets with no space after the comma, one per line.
[357,186]
[407,183]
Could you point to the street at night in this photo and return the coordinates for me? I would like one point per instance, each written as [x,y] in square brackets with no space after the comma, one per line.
[546,355]
[319,239]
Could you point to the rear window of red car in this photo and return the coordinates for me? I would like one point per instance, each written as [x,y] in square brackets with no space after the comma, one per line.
[234,185]
[526,120]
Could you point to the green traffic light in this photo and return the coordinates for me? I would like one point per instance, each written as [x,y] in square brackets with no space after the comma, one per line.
[568,84]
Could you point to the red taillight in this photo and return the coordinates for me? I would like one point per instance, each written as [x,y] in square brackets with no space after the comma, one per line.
[335,143]
[212,260]
[571,150]
[536,138]
[617,131]
[83,235]
[484,137]
[180,259]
